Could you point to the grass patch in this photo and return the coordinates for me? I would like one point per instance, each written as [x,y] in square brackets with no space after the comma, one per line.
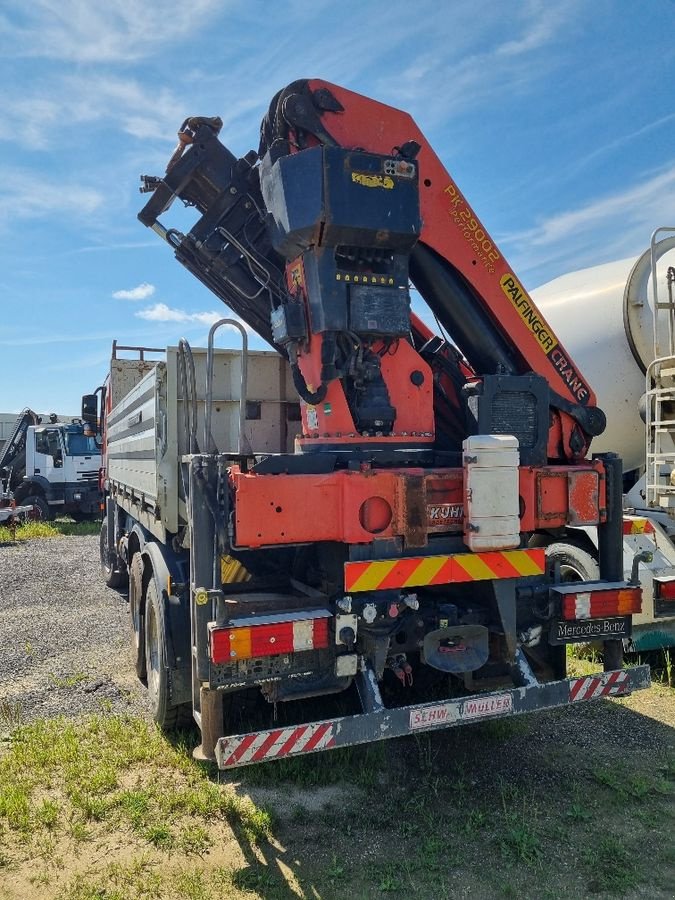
[68,681]
[108,808]
[133,881]
[11,713]
[362,766]
[31,530]
[520,840]
[626,784]
[118,772]
[387,877]
[612,866]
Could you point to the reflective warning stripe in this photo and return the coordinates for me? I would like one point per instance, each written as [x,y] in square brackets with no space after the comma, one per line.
[602,685]
[258,746]
[417,571]
[637,526]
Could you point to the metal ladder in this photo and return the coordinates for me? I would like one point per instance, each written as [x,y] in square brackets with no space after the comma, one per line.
[660,386]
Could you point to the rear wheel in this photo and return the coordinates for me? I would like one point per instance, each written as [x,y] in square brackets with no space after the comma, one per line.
[112,578]
[136,616]
[576,564]
[164,713]
[41,510]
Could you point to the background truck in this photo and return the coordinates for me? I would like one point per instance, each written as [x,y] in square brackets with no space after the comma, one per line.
[53,467]
[619,321]
[388,559]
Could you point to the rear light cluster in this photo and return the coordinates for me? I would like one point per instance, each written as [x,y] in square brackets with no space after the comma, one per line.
[599,601]
[664,588]
[238,642]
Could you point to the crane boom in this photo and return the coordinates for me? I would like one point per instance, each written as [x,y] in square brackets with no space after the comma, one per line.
[450,257]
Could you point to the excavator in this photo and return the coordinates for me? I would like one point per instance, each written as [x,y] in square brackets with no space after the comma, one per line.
[398,540]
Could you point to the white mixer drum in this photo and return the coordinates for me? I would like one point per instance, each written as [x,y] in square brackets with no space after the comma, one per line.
[604,318]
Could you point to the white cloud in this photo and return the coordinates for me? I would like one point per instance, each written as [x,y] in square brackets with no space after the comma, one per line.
[90,98]
[612,227]
[154,110]
[543,22]
[160,312]
[142,292]
[631,203]
[108,248]
[27,195]
[471,77]
[620,142]
[82,31]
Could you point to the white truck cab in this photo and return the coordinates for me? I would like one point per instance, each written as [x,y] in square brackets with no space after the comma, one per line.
[64,463]
[53,467]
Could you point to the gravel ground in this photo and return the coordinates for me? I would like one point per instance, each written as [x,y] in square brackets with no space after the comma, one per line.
[64,636]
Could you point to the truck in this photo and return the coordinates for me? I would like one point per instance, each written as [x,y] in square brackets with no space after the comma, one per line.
[52,467]
[618,318]
[351,515]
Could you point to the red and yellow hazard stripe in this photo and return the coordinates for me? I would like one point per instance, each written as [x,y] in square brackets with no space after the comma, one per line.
[637,526]
[418,571]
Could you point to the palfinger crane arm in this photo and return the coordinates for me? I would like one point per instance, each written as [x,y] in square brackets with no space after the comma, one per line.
[277,226]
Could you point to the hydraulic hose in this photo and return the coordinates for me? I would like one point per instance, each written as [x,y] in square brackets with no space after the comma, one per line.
[311,397]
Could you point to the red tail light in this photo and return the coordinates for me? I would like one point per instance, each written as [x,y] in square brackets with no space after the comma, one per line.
[664,589]
[269,639]
[598,600]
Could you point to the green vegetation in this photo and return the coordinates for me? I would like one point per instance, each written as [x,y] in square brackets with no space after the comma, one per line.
[34,529]
[547,806]
[108,808]
[69,785]
[583,659]
[68,681]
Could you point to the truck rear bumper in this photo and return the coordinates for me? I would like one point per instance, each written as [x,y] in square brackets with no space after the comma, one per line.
[381,723]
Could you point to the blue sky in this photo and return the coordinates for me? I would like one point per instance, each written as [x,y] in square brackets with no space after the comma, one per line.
[556,119]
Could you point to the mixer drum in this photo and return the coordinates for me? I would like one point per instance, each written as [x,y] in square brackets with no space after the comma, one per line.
[604,316]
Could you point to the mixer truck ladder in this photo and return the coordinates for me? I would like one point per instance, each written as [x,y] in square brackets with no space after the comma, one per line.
[660,396]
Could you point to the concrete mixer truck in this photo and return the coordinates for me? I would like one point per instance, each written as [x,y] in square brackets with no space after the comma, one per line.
[618,322]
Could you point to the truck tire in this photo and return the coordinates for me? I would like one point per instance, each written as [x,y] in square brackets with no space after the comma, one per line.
[112,578]
[166,715]
[136,616]
[576,564]
[40,506]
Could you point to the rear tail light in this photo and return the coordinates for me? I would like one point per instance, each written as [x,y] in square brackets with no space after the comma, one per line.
[237,642]
[593,601]
[664,588]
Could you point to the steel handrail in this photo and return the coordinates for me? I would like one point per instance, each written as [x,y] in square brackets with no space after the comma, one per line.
[209,443]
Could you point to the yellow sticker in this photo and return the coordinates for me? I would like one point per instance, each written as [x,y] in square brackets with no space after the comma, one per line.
[530,316]
[545,338]
[373,181]
[201,596]
[296,276]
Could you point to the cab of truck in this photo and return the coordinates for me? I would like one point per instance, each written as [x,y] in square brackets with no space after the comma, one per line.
[61,471]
